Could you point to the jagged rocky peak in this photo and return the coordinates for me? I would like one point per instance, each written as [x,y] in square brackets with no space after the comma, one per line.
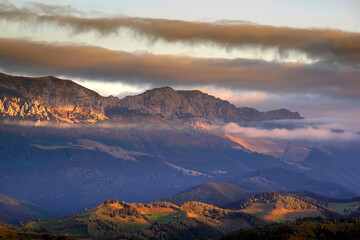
[52,91]
[48,99]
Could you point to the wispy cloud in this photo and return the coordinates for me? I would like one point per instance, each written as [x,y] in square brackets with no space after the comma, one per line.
[40,58]
[323,44]
[327,132]
[91,126]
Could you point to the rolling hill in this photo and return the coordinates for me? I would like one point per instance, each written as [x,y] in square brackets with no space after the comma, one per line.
[281,207]
[160,220]
[191,220]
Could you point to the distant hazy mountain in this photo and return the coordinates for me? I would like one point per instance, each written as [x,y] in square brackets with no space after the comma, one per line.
[50,98]
[216,193]
[340,165]
[13,210]
[280,179]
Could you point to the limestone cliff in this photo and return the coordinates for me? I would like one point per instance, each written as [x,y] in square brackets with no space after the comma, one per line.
[17,108]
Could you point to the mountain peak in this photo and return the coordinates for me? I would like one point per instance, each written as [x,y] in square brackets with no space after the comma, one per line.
[160,93]
[161,89]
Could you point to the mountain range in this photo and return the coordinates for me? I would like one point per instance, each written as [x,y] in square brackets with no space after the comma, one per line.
[50,98]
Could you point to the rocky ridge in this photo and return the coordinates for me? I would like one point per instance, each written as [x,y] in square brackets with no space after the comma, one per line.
[50,98]
[171,104]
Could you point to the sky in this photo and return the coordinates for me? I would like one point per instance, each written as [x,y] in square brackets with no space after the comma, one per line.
[296,54]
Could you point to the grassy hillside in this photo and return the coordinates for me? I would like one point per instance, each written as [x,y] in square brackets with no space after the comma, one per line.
[315,228]
[113,220]
[216,193]
[281,207]
[192,220]
[13,210]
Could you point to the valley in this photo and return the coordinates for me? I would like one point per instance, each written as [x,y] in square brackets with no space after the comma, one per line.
[165,164]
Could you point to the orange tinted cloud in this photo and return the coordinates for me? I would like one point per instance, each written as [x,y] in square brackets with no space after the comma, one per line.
[326,44]
[40,58]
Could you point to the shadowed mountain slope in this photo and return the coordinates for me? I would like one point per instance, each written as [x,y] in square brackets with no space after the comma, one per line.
[336,167]
[280,179]
[13,210]
[216,193]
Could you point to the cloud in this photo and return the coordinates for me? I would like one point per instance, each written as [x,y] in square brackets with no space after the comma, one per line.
[315,133]
[239,97]
[324,44]
[96,63]
[98,125]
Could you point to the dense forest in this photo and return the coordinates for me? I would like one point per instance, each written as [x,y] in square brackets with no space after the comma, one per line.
[283,200]
[310,228]
[8,232]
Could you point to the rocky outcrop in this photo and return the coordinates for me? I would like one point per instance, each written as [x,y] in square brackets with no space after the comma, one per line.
[49,98]
[17,108]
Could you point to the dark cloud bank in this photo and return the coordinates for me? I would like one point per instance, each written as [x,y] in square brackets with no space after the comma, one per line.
[89,62]
[324,44]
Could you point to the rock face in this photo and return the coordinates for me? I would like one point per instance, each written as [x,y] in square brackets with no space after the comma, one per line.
[49,98]
[52,91]
[17,108]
